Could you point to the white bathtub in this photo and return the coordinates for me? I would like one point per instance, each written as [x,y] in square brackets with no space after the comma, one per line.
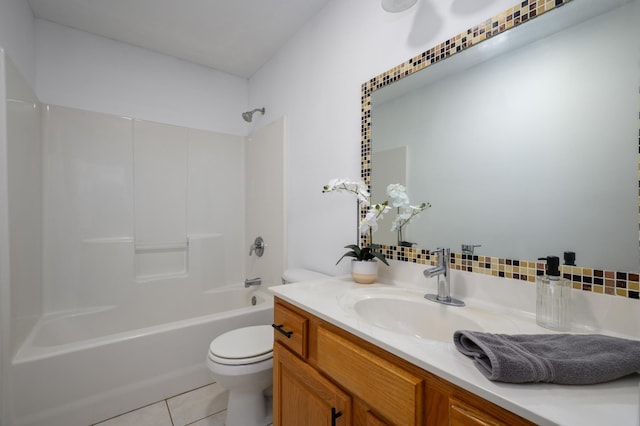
[82,367]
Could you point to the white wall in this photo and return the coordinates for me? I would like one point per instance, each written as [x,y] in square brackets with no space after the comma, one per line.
[17,36]
[315,80]
[80,70]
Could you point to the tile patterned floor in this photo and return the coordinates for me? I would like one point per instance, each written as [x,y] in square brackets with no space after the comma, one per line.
[205,406]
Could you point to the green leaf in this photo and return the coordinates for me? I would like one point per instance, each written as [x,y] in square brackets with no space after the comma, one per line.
[364,254]
[381,257]
[347,254]
[354,247]
[377,255]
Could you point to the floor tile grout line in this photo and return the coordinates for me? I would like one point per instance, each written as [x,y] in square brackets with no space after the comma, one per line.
[166,404]
[189,391]
[186,392]
[166,401]
[206,417]
[125,413]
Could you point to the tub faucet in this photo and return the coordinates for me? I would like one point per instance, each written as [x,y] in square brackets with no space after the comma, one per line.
[442,272]
[251,282]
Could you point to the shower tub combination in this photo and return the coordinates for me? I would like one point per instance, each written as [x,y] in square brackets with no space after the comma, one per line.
[83,367]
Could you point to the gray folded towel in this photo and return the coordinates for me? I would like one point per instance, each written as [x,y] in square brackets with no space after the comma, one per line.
[570,359]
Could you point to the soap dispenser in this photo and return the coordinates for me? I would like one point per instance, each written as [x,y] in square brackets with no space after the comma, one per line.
[553,297]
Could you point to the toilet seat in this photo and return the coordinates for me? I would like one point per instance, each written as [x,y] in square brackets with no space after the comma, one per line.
[246,345]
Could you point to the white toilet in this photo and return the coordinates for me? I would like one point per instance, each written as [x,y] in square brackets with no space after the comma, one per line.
[241,361]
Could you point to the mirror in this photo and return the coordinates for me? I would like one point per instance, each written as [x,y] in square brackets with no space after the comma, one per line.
[525,144]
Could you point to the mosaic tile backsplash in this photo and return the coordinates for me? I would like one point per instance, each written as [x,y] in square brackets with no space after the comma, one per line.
[624,284]
[600,281]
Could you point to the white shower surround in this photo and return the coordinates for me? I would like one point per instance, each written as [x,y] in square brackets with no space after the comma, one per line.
[116,186]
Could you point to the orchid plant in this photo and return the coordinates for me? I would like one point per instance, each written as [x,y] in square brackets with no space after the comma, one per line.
[369,224]
[406,211]
[360,191]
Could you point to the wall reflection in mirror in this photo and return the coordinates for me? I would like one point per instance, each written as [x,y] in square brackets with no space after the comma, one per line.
[529,153]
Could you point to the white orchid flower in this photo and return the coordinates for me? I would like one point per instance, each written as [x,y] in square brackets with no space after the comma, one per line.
[357,188]
[370,221]
[407,214]
[396,224]
[398,195]
[399,200]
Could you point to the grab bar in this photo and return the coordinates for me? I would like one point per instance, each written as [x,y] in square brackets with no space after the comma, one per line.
[169,245]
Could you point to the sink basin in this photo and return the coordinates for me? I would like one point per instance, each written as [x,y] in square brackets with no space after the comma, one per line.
[420,318]
[406,311]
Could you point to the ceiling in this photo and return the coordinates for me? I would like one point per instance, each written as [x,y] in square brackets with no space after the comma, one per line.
[233,36]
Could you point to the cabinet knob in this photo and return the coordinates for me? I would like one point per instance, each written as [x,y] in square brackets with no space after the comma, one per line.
[283,331]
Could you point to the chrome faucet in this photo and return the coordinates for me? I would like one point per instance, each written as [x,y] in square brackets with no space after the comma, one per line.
[251,282]
[443,274]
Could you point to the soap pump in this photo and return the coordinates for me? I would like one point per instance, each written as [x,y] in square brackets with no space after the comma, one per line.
[553,297]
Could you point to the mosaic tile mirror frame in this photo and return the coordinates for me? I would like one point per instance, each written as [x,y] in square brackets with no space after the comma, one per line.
[619,283]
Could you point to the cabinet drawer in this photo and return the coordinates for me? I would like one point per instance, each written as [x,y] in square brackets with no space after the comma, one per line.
[291,330]
[391,391]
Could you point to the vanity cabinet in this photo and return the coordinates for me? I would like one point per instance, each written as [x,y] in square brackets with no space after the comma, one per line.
[324,375]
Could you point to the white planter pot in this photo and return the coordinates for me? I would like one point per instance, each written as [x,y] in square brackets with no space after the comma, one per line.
[364,272]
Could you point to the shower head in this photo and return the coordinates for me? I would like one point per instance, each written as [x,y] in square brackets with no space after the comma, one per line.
[248,116]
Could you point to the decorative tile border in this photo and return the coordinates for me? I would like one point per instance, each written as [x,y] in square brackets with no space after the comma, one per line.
[624,284]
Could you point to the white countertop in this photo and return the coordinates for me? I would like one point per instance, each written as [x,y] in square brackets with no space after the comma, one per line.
[612,403]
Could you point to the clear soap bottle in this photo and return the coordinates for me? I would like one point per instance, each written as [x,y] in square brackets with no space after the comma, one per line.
[553,297]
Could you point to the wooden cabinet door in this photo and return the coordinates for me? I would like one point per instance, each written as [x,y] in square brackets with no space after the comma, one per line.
[303,397]
[393,392]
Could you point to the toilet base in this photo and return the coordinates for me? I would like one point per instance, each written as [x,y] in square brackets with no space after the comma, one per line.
[248,408]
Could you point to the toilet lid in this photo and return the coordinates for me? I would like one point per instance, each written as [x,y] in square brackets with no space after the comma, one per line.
[243,345]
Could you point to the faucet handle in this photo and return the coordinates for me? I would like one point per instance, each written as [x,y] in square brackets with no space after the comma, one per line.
[469,248]
[443,255]
[442,251]
[257,247]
